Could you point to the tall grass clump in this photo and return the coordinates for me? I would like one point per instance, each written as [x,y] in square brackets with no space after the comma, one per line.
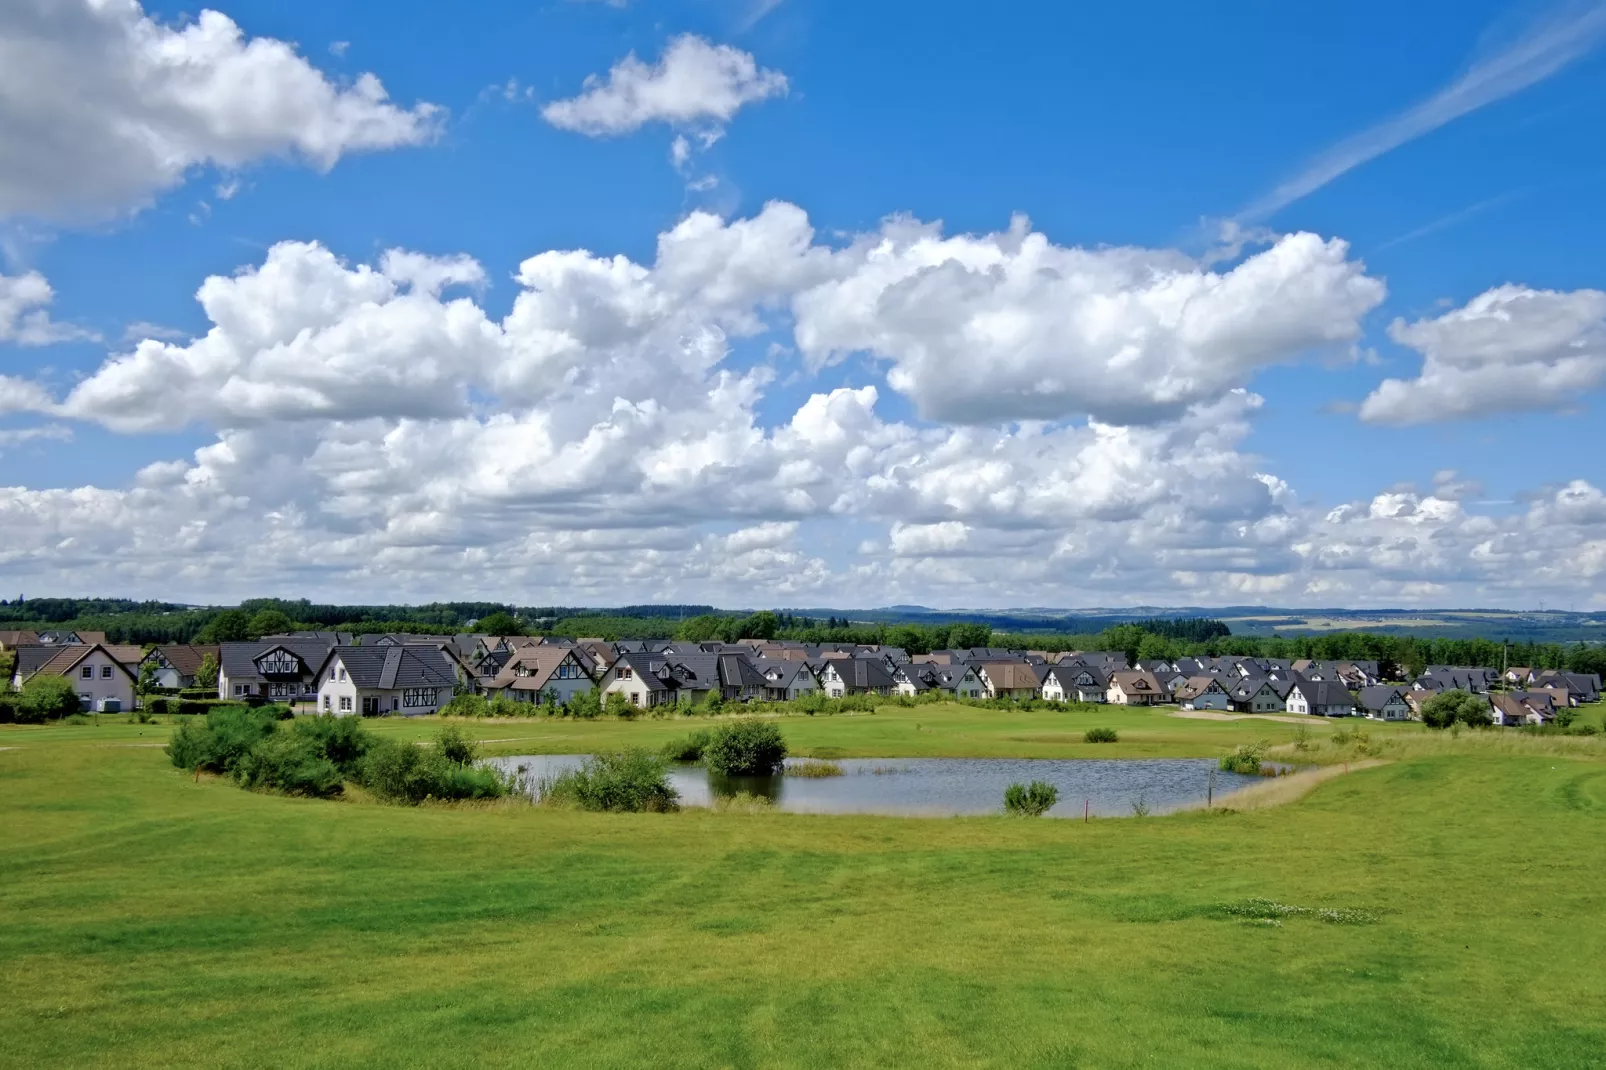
[1245,758]
[1030,800]
[745,748]
[633,780]
[814,769]
[1100,735]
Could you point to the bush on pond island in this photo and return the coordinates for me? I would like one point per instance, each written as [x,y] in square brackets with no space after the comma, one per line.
[745,748]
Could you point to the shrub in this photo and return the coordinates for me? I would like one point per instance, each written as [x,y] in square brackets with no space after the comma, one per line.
[632,780]
[1244,758]
[1453,707]
[8,708]
[204,705]
[291,762]
[1100,735]
[217,744]
[46,698]
[689,749]
[455,747]
[402,773]
[618,706]
[157,705]
[584,704]
[1030,800]
[745,748]
[341,740]
[198,692]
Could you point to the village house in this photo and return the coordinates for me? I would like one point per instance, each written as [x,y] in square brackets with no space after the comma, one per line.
[1201,693]
[177,664]
[382,680]
[856,676]
[1381,702]
[283,671]
[1582,687]
[957,681]
[1256,694]
[1321,698]
[1075,682]
[786,680]
[1135,688]
[542,674]
[1515,708]
[1007,679]
[13,639]
[102,682]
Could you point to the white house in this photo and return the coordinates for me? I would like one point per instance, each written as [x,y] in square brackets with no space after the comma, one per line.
[916,678]
[1136,688]
[1202,693]
[1075,682]
[1381,702]
[102,682]
[378,680]
[1321,698]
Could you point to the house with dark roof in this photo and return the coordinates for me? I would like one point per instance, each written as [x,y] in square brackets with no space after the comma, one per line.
[1582,687]
[70,638]
[1321,698]
[786,680]
[177,663]
[1383,702]
[382,680]
[1075,682]
[856,676]
[1514,708]
[1255,694]
[284,670]
[955,681]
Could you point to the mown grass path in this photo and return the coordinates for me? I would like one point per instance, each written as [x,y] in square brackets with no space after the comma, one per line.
[149,919]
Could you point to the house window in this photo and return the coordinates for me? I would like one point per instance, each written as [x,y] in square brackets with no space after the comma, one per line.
[625,673]
[105,672]
[326,704]
[239,689]
[341,672]
[370,705]
[635,698]
[418,696]
[87,672]
[345,703]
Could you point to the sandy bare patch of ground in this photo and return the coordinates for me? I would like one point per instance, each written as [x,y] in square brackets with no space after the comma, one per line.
[1216,715]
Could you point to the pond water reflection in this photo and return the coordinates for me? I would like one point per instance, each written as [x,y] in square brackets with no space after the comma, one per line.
[939,787]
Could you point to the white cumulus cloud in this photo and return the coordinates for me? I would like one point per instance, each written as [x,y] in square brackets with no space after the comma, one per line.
[694,82]
[102,107]
[24,318]
[1510,349]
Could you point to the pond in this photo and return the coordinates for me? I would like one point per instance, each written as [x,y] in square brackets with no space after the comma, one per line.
[941,787]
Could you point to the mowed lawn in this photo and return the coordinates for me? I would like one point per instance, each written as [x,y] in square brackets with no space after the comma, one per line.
[150,919]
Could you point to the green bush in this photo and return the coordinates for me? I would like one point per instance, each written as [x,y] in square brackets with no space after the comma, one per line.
[217,744]
[46,698]
[584,704]
[632,780]
[616,705]
[1100,735]
[341,740]
[689,749]
[745,748]
[197,706]
[456,747]
[402,773]
[1030,800]
[197,692]
[1450,707]
[1244,758]
[157,705]
[480,706]
[8,707]
[291,762]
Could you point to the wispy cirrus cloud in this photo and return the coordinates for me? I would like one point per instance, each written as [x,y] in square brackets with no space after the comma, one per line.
[1546,47]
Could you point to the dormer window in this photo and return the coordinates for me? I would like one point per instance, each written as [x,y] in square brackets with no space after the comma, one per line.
[625,673]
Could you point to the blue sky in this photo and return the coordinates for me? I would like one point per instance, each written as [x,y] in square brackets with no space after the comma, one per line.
[1152,126]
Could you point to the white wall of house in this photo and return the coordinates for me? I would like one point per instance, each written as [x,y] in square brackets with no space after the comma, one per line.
[636,691]
[1392,711]
[1208,700]
[105,679]
[336,692]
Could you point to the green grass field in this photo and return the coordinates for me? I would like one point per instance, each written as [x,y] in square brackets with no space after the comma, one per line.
[151,919]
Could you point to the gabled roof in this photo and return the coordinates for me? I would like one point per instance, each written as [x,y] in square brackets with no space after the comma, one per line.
[1008,675]
[184,658]
[736,670]
[1195,686]
[19,638]
[532,668]
[862,672]
[66,659]
[1376,696]
[388,668]
[238,660]
[1325,693]
[1070,674]
[1136,681]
